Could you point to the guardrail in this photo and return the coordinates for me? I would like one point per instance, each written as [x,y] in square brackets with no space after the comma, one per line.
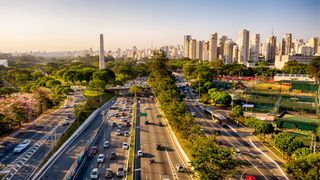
[74,171]
[83,126]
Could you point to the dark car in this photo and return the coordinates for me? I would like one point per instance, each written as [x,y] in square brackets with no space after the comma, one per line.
[158,147]
[113,156]
[146,122]
[109,173]
[127,124]
[93,151]
[160,124]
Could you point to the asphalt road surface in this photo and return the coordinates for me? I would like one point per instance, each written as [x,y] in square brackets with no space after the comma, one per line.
[109,134]
[60,167]
[263,163]
[152,134]
[43,134]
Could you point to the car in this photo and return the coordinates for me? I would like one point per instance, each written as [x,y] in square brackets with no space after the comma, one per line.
[114,124]
[125,145]
[94,173]
[126,133]
[119,125]
[93,151]
[140,153]
[158,147]
[160,124]
[180,168]
[122,118]
[106,144]
[113,155]
[120,171]
[23,145]
[146,122]
[237,150]
[193,114]
[65,122]
[66,106]
[127,124]
[109,173]
[100,158]
[118,132]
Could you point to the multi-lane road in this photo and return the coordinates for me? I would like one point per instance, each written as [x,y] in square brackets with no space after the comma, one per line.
[43,134]
[152,135]
[263,163]
[109,133]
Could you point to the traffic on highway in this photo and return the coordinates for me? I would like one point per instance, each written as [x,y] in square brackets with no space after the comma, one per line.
[21,153]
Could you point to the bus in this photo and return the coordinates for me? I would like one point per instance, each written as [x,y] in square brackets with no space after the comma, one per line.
[214,115]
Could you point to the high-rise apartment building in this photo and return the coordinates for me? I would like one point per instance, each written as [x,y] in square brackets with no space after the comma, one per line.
[206,50]
[228,51]
[286,44]
[199,50]
[313,43]
[235,54]
[243,57]
[213,46]
[101,53]
[221,44]
[270,51]
[187,39]
[254,47]
[193,49]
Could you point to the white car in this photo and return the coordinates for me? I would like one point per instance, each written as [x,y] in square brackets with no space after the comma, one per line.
[95,173]
[100,158]
[65,122]
[125,145]
[180,168]
[126,133]
[20,147]
[118,132]
[120,171]
[119,125]
[106,144]
[193,114]
[140,153]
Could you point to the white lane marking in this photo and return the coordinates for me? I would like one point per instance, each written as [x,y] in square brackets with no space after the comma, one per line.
[174,174]
[268,158]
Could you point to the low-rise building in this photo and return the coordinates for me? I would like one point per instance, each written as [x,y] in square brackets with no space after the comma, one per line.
[281,60]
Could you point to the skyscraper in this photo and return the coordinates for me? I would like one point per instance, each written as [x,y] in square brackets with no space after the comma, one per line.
[192,49]
[235,54]
[254,47]
[286,46]
[228,51]
[206,51]
[213,46]
[270,53]
[101,53]
[187,39]
[221,44]
[199,50]
[243,57]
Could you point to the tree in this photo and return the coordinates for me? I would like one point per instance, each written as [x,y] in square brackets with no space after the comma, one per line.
[305,167]
[314,69]
[97,84]
[135,89]
[300,152]
[106,75]
[287,143]
[237,110]
[210,160]
[293,67]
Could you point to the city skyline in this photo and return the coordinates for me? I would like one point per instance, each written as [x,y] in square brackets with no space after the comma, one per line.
[60,26]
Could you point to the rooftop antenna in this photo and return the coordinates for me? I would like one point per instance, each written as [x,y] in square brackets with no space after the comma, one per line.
[272,31]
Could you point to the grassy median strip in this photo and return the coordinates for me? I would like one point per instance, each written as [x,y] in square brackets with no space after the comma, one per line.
[132,143]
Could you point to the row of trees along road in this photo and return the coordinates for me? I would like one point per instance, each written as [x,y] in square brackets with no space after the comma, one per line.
[208,159]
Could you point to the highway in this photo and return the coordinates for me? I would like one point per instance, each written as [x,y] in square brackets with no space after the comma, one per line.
[60,166]
[264,164]
[152,134]
[108,133]
[43,133]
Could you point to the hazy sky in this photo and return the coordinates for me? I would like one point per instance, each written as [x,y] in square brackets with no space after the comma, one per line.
[76,24]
